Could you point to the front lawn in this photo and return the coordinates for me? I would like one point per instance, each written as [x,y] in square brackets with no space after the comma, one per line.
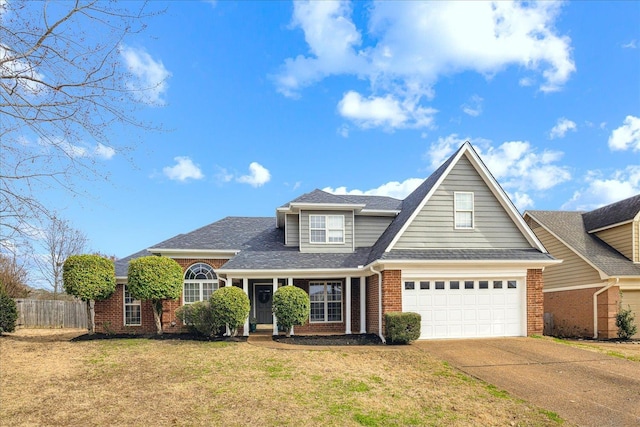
[52,381]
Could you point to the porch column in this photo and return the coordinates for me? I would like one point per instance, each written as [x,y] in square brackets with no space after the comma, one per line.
[228,282]
[363,305]
[290,283]
[275,322]
[347,323]
[245,288]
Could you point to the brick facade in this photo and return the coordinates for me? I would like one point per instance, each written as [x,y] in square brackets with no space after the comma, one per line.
[372,304]
[535,302]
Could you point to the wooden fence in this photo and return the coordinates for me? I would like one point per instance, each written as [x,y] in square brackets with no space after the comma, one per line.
[34,313]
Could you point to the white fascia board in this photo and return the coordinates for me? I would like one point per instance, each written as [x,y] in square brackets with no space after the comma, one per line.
[323,273]
[327,206]
[504,200]
[121,280]
[483,264]
[610,226]
[427,197]
[603,275]
[195,253]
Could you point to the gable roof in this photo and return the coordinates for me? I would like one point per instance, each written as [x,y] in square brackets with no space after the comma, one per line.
[569,228]
[412,205]
[615,213]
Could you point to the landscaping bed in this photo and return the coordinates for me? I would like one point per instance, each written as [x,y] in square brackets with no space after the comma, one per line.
[353,339]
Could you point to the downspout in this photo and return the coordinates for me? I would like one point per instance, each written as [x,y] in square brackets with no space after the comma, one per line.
[380,334]
[595,306]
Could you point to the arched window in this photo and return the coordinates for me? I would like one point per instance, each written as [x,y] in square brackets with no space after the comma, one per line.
[199,283]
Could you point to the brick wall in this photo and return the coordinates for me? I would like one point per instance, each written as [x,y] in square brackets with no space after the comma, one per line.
[372,304]
[535,302]
[608,304]
[391,293]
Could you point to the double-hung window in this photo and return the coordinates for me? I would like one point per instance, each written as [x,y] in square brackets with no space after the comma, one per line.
[132,312]
[463,210]
[326,301]
[326,228]
[199,283]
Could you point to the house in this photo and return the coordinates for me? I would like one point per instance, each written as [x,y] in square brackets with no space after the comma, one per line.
[456,250]
[600,272]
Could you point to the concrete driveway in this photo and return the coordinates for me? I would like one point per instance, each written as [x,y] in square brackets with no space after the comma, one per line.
[583,387]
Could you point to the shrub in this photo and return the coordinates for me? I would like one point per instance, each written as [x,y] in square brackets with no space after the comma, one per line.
[90,278]
[625,323]
[155,278]
[229,306]
[198,317]
[402,328]
[8,313]
[291,307]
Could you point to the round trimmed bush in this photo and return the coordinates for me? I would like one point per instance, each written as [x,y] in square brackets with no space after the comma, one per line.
[291,307]
[8,313]
[229,306]
[402,328]
[89,277]
[155,278]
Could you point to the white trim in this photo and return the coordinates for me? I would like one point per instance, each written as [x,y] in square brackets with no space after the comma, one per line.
[326,301]
[379,212]
[574,288]
[195,253]
[321,273]
[274,284]
[124,308]
[485,264]
[456,210]
[245,288]
[363,304]
[618,224]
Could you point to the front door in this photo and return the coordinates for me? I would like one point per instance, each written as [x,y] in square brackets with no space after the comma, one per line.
[262,300]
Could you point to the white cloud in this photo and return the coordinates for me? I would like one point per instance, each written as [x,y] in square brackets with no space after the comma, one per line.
[631,45]
[627,135]
[603,190]
[223,175]
[184,170]
[104,151]
[343,131]
[561,128]
[258,175]
[149,77]
[521,200]
[473,107]
[413,44]
[526,82]
[398,190]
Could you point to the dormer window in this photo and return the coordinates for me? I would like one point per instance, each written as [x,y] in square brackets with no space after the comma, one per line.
[463,210]
[326,228]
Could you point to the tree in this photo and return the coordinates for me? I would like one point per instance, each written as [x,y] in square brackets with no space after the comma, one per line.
[13,277]
[229,306]
[8,313]
[64,86]
[291,307]
[90,278]
[60,241]
[155,279]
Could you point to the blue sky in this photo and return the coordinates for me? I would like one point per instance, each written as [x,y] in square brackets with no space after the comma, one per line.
[264,101]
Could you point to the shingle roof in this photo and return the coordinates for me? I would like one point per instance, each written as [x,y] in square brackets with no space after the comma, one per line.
[370,202]
[290,258]
[614,213]
[122,265]
[409,205]
[570,228]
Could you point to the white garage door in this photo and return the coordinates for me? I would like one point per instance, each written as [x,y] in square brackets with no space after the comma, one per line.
[466,308]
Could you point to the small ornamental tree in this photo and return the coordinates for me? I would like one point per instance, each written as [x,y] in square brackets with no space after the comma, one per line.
[198,318]
[155,279]
[625,323]
[229,306]
[8,313]
[90,278]
[291,307]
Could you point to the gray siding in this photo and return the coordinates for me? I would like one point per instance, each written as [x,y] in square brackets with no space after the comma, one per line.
[573,271]
[620,238]
[433,227]
[347,246]
[369,229]
[292,229]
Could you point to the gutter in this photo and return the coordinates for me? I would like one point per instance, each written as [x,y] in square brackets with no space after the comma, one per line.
[380,334]
[595,305]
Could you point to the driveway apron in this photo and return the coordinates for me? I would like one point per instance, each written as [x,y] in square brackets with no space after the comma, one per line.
[583,387]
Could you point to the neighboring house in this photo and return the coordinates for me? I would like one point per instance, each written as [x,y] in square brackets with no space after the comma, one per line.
[600,272]
[455,250]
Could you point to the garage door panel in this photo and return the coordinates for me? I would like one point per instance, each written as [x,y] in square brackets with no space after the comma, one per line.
[471,309]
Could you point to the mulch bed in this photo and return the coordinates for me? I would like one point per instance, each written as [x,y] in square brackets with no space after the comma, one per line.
[355,339]
[163,337]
